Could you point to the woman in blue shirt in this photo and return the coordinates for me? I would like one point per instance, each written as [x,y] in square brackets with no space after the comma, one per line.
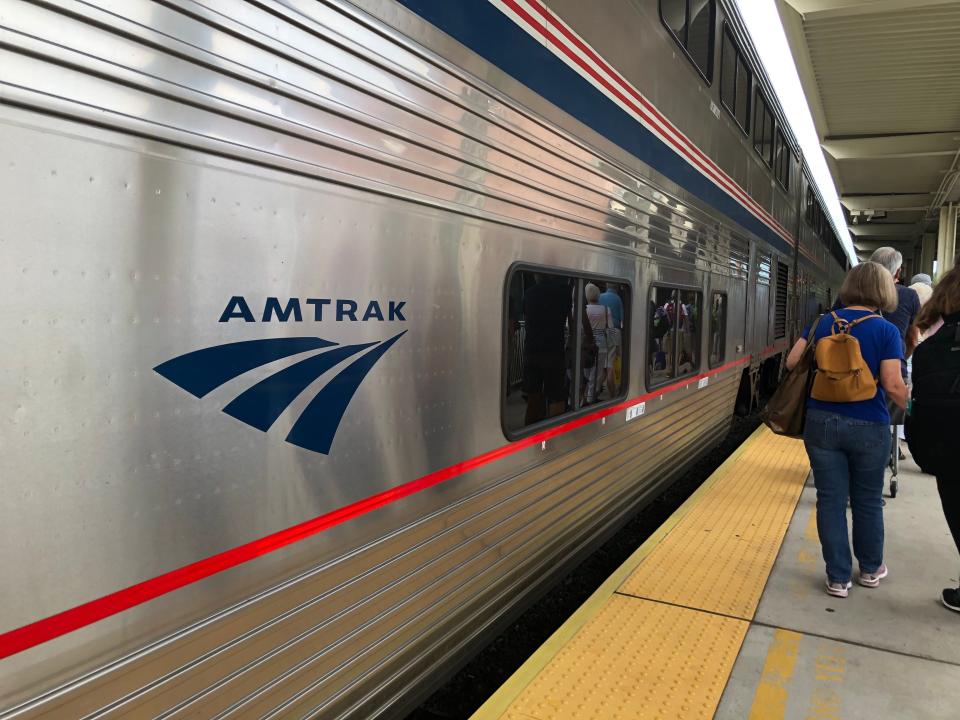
[849,442]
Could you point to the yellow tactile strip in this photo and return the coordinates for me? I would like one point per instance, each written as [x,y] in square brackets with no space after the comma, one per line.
[636,659]
[719,557]
[653,641]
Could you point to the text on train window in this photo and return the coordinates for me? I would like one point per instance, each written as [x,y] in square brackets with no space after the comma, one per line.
[549,316]
[718,328]
[692,22]
[673,338]
[735,80]
[763,128]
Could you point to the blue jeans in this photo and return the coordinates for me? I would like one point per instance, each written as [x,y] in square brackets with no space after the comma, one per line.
[848,458]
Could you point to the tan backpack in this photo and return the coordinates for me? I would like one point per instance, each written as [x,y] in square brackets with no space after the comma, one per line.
[842,373]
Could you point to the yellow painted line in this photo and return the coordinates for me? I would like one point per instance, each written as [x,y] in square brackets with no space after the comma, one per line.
[770,700]
[498,703]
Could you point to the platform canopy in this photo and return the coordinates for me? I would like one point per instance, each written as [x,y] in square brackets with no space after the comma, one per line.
[882,79]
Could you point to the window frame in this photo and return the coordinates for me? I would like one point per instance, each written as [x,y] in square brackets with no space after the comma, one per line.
[781,163]
[768,114]
[711,52]
[581,277]
[676,336]
[738,56]
[726,323]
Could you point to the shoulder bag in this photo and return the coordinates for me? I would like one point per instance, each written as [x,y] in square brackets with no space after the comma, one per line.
[787,409]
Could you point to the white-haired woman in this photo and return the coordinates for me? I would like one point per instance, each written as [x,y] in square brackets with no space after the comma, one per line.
[601,320]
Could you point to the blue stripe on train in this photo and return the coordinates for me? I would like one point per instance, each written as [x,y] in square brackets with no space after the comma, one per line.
[488,32]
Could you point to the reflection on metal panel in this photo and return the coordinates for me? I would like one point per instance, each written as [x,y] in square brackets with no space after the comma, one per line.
[164,162]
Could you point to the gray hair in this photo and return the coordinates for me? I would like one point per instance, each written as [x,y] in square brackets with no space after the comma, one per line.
[921,278]
[592,292]
[890,258]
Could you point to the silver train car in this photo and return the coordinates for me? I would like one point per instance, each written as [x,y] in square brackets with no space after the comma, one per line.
[304,394]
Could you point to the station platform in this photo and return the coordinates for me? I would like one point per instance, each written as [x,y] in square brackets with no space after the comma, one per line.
[722,613]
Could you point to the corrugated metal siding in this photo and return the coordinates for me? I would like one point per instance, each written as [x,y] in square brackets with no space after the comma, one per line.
[885,72]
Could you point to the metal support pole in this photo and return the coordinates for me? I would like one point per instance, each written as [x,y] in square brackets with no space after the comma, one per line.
[927,253]
[947,239]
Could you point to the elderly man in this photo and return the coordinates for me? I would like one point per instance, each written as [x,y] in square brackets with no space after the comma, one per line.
[904,317]
[908,302]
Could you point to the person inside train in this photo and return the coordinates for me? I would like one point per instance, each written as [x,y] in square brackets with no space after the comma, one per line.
[547,316]
[689,339]
[661,336]
[848,443]
[600,319]
[932,422]
[611,299]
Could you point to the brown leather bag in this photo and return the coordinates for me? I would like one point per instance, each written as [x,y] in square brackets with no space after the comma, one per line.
[786,411]
[842,373]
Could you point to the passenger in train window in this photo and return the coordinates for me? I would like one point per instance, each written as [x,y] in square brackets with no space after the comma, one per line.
[612,300]
[849,442]
[661,336]
[600,320]
[718,328]
[688,358]
[547,317]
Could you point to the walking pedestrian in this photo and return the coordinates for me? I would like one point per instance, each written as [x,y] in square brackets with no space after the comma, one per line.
[935,407]
[848,442]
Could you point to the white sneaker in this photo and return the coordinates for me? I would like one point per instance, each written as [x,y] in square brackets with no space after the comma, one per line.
[873,579]
[838,589]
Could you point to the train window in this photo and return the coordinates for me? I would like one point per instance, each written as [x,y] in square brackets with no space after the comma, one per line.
[549,315]
[781,161]
[810,204]
[763,128]
[691,22]
[735,80]
[744,81]
[718,328]
[674,333]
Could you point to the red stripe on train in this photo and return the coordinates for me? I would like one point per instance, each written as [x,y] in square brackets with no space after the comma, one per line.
[49,628]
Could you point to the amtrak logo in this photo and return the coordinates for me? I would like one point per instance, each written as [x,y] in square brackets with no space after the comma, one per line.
[259,406]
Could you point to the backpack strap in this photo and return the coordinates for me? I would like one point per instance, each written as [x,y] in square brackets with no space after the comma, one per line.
[842,325]
[865,317]
[839,324]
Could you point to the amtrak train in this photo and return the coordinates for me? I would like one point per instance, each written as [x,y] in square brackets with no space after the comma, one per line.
[336,330]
